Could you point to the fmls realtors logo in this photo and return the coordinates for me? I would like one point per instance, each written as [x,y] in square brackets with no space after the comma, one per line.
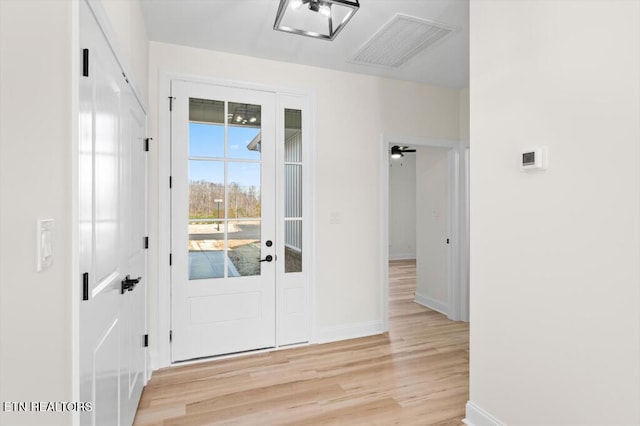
[40,406]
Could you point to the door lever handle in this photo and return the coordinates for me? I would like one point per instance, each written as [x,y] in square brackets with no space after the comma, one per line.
[268,258]
[129,283]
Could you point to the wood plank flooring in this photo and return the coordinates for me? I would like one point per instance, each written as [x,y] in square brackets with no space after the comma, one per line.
[417,374]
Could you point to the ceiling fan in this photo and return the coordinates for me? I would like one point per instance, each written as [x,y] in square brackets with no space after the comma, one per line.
[398,151]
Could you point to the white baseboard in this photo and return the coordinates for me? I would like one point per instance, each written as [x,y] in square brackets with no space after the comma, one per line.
[476,416]
[350,331]
[433,304]
[402,256]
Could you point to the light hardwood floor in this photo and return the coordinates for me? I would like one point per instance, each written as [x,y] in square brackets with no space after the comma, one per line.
[417,374]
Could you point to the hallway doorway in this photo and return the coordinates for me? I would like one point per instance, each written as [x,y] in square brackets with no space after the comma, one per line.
[442,237]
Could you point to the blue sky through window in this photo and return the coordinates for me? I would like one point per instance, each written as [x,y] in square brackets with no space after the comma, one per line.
[207,140]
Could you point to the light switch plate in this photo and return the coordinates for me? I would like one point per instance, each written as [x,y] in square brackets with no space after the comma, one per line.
[44,244]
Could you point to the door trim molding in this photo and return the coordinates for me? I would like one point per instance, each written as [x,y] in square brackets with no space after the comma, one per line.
[431,303]
[476,416]
[161,354]
[458,284]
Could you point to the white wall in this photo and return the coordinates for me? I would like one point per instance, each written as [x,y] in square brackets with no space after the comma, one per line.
[38,67]
[402,208]
[555,283]
[352,111]
[35,181]
[432,213]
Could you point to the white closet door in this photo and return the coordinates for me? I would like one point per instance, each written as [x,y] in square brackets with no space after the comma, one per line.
[111,231]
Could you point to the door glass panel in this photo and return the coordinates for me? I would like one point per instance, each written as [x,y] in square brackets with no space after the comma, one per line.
[224,189]
[293,190]
[244,248]
[206,249]
[206,128]
[244,190]
[293,194]
[206,189]
[293,246]
[293,135]
[244,131]
[206,231]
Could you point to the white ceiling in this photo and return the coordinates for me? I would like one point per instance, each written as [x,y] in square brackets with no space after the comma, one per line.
[246,27]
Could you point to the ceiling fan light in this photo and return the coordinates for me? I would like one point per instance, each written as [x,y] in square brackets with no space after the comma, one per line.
[396,155]
[295,4]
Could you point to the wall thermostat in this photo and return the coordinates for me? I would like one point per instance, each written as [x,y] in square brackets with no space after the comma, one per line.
[534,159]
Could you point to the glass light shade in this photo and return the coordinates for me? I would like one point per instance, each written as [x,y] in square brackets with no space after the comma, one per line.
[323,19]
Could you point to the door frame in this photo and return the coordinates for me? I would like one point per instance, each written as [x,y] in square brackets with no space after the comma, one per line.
[458,230]
[159,332]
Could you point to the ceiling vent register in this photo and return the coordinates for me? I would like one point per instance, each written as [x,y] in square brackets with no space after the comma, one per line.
[399,40]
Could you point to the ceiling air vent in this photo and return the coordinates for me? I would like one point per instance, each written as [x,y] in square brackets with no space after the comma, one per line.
[399,40]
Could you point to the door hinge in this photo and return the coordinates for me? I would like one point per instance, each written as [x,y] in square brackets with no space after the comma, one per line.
[170,182]
[85,62]
[170,336]
[447,241]
[146,144]
[85,286]
[125,78]
[171,98]
[146,242]
[146,341]
[170,259]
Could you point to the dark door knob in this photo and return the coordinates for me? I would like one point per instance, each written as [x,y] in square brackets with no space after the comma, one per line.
[268,258]
[129,283]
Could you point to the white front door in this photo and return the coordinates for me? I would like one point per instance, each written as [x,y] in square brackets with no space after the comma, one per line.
[111,233]
[223,220]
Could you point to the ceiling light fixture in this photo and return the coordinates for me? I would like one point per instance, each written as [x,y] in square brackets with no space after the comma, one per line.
[322,19]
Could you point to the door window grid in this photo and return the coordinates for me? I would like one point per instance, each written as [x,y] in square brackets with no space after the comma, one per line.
[224,216]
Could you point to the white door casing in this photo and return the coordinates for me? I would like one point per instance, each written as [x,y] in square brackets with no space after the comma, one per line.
[217,307]
[111,176]
[458,284]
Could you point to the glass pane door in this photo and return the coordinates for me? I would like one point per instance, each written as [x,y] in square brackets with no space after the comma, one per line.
[225,207]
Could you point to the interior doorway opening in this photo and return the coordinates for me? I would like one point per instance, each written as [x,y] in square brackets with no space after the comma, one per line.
[419,219]
[436,213]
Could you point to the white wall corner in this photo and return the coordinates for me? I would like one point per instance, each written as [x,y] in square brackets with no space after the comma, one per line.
[476,416]
[433,304]
[349,331]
